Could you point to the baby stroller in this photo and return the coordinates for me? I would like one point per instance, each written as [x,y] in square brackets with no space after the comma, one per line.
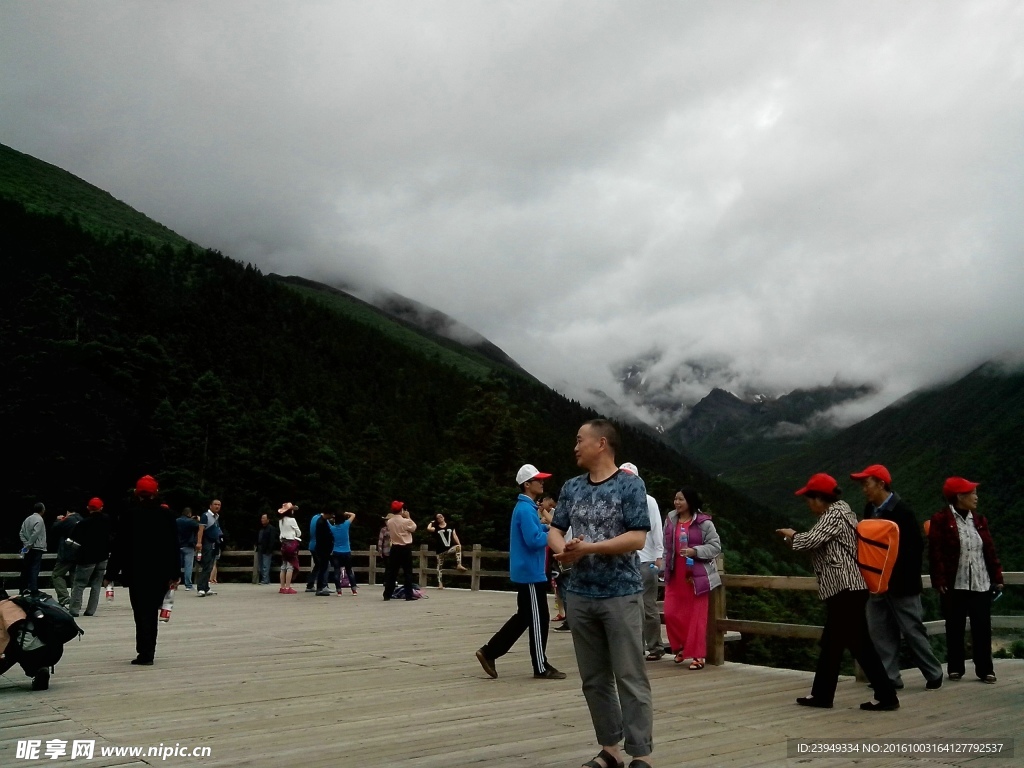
[33,631]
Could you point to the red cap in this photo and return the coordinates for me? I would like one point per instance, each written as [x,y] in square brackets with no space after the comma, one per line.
[146,486]
[396,506]
[955,485]
[821,483]
[876,471]
[94,504]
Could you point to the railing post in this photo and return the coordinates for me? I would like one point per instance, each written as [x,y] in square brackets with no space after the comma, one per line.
[256,566]
[716,611]
[474,581]
[423,566]
[371,571]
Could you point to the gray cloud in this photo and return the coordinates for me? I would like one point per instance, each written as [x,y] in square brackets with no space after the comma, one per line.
[797,191]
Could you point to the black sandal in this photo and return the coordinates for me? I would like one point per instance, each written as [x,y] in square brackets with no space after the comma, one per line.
[609,761]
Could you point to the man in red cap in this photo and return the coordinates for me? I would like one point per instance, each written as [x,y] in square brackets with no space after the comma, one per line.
[145,559]
[898,611]
[93,537]
[528,540]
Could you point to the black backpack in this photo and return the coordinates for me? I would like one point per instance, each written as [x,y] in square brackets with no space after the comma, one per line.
[50,622]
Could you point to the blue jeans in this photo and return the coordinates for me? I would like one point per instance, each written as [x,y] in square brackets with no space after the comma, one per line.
[30,571]
[187,559]
[265,568]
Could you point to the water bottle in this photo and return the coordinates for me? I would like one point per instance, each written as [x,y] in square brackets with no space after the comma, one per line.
[168,605]
[689,562]
[110,593]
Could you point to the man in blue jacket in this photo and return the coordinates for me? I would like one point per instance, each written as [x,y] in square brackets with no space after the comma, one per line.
[527,543]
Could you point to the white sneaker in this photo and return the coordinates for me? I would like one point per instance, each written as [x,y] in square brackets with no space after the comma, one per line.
[200,593]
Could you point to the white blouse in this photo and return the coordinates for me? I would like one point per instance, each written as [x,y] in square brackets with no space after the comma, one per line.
[290,529]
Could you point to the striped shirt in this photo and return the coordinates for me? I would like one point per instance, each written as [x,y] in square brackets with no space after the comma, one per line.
[833,545]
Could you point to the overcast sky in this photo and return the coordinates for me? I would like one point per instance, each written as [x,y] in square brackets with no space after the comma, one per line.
[782,192]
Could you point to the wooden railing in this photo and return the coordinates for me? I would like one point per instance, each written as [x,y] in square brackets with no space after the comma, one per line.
[720,627]
[719,624]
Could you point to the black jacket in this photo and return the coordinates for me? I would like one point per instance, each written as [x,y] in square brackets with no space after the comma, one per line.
[267,540]
[145,549]
[324,537]
[93,534]
[906,573]
[62,530]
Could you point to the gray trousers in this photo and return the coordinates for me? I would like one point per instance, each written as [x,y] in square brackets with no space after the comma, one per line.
[652,619]
[62,571]
[608,638]
[888,618]
[91,576]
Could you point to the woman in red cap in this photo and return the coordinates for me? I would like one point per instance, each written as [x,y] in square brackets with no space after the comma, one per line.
[832,542]
[967,574]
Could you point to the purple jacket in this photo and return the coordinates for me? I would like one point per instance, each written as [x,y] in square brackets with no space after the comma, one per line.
[702,537]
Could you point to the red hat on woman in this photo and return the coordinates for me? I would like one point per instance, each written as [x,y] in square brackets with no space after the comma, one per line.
[955,485]
[821,483]
[95,504]
[397,506]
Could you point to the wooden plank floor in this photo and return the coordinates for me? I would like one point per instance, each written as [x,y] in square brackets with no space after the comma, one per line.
[272,680]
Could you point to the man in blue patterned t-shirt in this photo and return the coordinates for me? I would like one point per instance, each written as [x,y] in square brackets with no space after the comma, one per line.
[607,511]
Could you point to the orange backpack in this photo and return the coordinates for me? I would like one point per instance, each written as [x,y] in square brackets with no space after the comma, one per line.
[878,543]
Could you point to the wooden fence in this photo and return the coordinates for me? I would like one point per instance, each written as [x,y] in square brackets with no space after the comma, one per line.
[235,563]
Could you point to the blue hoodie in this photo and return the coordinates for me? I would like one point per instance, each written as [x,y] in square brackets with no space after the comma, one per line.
[527,540]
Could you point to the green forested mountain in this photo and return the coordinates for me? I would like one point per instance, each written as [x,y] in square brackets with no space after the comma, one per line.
[973,427]
[45,188]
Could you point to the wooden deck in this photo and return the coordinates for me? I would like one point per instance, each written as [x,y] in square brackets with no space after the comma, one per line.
[283,681]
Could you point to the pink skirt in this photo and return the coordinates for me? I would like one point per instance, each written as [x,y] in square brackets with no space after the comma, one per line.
[686,615]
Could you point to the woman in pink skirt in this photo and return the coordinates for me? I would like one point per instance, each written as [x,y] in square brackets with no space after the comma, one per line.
[691,546]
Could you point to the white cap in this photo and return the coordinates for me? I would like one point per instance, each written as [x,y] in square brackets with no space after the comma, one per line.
[631,468]
[529,472]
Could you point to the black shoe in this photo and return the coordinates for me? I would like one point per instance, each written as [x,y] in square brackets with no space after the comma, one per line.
[990,679]
[880,706]
[41,681]
[934,685]
[550,673]
[325,593]
[955,675]
[486,663]
[563,627]
[141,662]
[810,701]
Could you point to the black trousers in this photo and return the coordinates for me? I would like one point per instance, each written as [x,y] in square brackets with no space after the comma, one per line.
[532,616]
[322,563]
[846,627]
[146,599]
[400,558]
[957,606]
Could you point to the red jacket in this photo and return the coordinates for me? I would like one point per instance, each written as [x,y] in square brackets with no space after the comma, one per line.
[944,549]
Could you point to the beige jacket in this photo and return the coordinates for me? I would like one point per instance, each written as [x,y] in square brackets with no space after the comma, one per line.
[9,614]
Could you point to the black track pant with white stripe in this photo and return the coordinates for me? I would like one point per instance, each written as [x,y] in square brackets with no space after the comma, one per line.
[533,616]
